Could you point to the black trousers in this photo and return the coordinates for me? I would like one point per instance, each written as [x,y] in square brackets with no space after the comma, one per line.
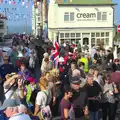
[108,110]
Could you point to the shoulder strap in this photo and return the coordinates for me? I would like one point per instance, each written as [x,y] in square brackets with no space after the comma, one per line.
[47,97]
[12,94]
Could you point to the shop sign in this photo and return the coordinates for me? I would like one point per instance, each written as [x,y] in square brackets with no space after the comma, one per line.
[119,28]
[86,16]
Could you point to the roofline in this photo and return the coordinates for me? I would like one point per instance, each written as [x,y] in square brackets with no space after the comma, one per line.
[87,4]
[81,28]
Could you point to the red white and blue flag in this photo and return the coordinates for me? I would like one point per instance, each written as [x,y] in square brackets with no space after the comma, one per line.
[55,54]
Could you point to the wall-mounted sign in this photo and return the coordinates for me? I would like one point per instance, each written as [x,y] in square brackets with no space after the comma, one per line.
[86,16]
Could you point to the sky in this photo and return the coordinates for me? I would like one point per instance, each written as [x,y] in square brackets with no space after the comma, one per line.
[117,11]
[18,15]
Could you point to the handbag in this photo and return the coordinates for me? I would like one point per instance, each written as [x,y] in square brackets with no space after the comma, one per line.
[116,95]
[45,112]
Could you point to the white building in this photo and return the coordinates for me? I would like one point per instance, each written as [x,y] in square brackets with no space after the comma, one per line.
[3,26]
[89,22]
[36,18]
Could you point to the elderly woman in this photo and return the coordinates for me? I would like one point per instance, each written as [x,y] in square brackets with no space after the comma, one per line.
[45,62]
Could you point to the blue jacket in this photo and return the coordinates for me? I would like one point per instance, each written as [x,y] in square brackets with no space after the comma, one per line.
[3,116]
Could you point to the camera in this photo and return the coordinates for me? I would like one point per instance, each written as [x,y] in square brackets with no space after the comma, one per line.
[24,82]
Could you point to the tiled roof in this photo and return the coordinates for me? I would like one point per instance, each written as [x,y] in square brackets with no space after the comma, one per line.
[84,2]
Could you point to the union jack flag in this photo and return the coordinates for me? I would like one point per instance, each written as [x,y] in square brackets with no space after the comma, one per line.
[55,54]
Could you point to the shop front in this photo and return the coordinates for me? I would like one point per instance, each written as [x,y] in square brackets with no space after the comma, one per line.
[91,24]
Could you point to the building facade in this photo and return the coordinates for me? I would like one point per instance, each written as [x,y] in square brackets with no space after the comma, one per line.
[3,25]
[82,22]
[39,16]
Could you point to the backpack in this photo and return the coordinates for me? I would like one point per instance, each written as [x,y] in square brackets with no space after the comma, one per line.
[45,112]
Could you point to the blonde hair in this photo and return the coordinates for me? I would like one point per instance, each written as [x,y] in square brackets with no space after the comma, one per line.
[43,82]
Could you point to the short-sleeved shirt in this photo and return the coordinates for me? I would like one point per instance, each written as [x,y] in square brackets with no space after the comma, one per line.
[79,101]
[109,97]
[43,98]
[65,104]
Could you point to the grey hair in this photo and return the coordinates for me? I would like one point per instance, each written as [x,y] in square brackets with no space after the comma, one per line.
[22,108]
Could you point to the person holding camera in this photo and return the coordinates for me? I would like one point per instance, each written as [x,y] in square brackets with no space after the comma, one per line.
[13,87]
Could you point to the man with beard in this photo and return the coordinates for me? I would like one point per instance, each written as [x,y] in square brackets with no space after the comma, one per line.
[79,99]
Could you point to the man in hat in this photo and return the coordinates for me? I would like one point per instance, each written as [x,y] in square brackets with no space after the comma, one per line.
[7,67]
[10,109]
[79,98]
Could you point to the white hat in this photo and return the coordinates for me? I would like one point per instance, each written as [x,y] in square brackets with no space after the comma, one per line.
[46,55]
[20,54]
[61,59]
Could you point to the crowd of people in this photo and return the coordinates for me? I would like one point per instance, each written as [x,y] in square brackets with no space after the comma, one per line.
[79,86]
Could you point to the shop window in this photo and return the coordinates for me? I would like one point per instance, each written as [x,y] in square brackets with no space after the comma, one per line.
[72,41]
[107,34]
[98,41]
[77,34]
[97,34]
[102,42]
[72,34]
[104,16]
[72,16]
[85,41]
[78,41]
[93,41]
[92,34]
[66,16]
[62,41]
[67,35]
[61,35]
[102,34]
[107,41]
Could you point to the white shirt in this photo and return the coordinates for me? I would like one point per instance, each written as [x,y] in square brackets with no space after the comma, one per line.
[20,116]
[42,98]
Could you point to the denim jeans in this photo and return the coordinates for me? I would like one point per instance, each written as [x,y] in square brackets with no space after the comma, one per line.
[94,115]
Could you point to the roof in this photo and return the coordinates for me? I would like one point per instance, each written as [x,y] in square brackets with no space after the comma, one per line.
[83,2]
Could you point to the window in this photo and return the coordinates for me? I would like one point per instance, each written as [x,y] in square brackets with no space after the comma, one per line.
[92,34]
[61,35]
[38,18]
[107,41]
[93,41]
[99,16]
[67,35]
[107,34]
[66,16]
[98,41]
[72,34]
[77,34]
[102,34]
[104,16]
[97,34]
[72,16]
[69,16]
